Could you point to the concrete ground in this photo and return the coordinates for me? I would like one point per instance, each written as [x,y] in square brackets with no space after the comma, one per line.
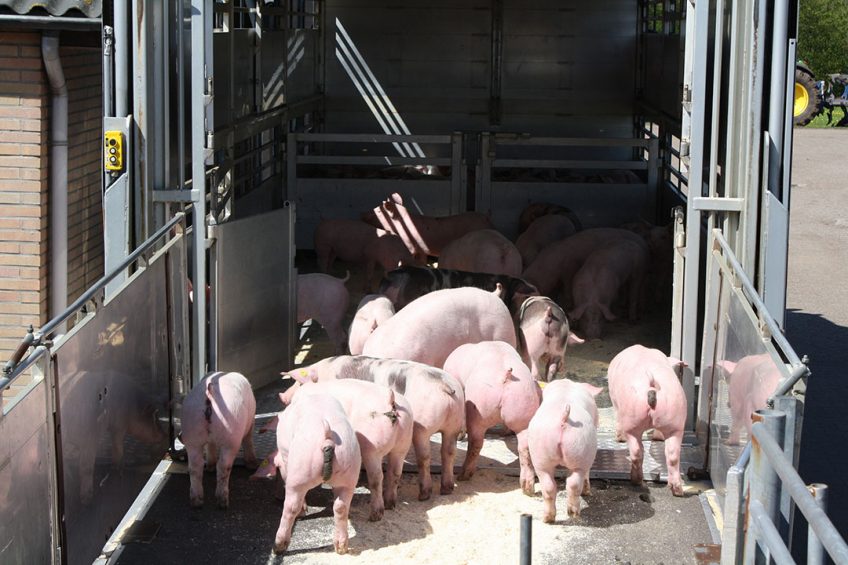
[817,305]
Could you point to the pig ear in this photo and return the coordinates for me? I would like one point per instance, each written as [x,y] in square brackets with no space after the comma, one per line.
[268,468]
[574,339]
[397,198]
[499,290]
[285,397]
[593,390]
[606,312]
[286,376]
[552,369]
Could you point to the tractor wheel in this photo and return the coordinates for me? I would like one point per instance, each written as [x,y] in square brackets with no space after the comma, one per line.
[808,98]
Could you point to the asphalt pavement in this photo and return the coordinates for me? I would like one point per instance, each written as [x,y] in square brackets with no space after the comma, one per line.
[817,306]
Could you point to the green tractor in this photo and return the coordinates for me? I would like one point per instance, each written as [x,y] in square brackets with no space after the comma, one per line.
[808,96]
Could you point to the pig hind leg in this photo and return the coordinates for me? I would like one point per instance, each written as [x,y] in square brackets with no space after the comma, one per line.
[195,473]
[292,507]
[476,433]
[225,466]
[211,456]
[421,442]
[394,469]
[634,443]
[672,459]
[448,458]
[250,460]
[549,492]
[341,509]
[374,470]
[527,477]
[574,485]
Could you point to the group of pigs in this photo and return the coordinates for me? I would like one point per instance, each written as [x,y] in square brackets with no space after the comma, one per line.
[586,271]
[461,348]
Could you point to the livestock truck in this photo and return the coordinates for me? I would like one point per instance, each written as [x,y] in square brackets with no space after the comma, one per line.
[231,128]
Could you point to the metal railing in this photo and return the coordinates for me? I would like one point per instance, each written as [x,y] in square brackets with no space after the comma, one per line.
[39,339]
[771,474]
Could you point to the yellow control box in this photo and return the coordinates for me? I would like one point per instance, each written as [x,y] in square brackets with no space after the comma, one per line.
[114,150]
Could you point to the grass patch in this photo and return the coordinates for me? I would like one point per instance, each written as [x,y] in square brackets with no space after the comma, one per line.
[820,121]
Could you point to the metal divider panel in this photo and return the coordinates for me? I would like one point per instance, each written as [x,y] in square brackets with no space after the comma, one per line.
[745,375]
[255,258]
[113,393]
[25,492]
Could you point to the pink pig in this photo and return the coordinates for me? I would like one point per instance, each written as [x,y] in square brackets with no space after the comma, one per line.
[482,251]
[541,233]
[357,242]
[752,380]
[437,400]
[557,263]
[498,390]
[218,415]
[324,298]
[425,235]
[373,310]
[543,334]
[315,444]
[646,393]
[382,421]
[429,328]
[608,272]
[564,432]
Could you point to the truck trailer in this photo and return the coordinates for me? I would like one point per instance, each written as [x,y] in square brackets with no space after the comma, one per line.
[232,128]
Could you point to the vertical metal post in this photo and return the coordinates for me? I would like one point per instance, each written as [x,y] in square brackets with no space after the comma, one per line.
[815,549]
[712,315]
[456,204]
[791,444]
[496,78]
[777,91]
[201,25]
[290,192]
[691,280]
[526,538]
[108,88]
[181,156]
[483,196]
[764,483]
[122,43]
[653,175]
[732,534]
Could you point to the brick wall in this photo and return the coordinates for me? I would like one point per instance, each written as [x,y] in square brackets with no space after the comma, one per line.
[24,109]
[83,74]
[24,184]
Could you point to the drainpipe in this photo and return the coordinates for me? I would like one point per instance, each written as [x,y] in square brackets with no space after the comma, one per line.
[58,177]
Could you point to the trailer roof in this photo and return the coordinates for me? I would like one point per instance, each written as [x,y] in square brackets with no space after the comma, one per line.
[89,8]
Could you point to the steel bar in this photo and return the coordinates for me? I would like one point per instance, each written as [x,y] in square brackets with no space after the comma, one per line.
[815,551]
[767,534]
[816,517]
[23,366]
[151,241]
[371,137]
[27,21]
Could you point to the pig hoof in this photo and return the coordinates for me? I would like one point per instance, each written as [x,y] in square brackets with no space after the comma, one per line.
[281,547]
[376,516]
[465,476]
[389,504]
[446,489]
[676,490]
[223,503]
[196,502]
[424,494]
[341,547]
[549,518]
